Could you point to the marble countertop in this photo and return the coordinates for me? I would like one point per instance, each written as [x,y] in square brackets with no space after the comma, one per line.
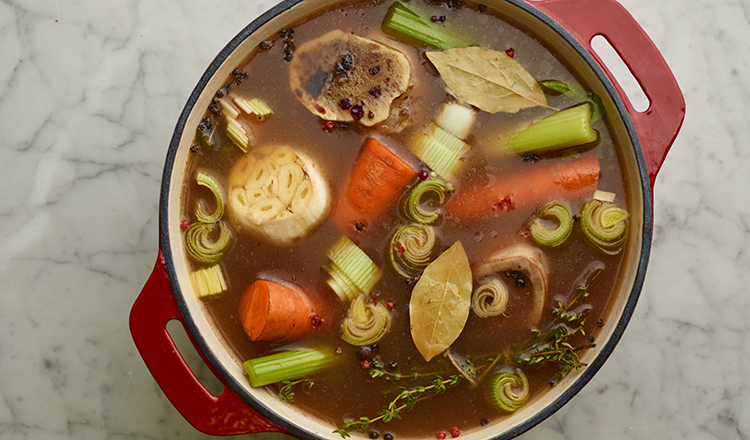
[89,95]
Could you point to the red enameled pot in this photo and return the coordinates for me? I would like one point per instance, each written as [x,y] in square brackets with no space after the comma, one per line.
[567,27]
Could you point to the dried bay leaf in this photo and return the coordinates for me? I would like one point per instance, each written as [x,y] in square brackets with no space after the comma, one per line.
[488,79]
[439,305]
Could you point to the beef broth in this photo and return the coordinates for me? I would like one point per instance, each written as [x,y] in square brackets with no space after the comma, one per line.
[348,392]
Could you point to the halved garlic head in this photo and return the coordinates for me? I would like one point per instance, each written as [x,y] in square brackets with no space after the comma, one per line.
[278,193]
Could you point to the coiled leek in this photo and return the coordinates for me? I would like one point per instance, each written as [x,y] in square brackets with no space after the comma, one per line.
[413,207]
[509,391]
[561,212]
[207,181]
[200,245]
[365,323]
[411,248]
[605,225]
[490,299]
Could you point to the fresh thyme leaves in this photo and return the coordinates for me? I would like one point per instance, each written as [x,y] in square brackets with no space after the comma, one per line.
[404,401]
[286,393]
[551,344]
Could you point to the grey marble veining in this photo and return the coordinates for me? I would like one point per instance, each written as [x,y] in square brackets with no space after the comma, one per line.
[89,95]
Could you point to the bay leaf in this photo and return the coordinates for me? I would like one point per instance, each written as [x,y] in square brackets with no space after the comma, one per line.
[439,305]
[488,79]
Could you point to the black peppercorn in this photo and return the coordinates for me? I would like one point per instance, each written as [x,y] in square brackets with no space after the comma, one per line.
[388,436]
[347,62]
[392,365]
[359,226]
[364,353]
[520,283]
[600,323]
[484,422]
[373,434]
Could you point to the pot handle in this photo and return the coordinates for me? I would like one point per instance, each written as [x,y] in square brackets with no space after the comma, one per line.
[226,414]
[657,126]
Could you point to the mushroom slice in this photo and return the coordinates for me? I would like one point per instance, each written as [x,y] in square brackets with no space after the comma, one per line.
[343,77]
[522,258]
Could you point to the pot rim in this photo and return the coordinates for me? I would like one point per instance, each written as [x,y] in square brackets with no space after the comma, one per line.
[591,369]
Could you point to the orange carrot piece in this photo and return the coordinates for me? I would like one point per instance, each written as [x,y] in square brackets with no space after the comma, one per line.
[570,179]
[272,311]
[377,179]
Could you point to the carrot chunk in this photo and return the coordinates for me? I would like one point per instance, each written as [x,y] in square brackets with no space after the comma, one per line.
[272,311]
[572,179]
[377,179]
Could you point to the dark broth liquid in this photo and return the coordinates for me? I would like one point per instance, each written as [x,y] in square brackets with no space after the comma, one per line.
[347,392]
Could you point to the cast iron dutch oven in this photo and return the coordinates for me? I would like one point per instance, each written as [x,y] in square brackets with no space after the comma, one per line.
[567,27]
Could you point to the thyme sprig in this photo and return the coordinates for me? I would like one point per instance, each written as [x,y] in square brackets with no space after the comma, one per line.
[404,401]
[286,393]
[551,344]
[377,371]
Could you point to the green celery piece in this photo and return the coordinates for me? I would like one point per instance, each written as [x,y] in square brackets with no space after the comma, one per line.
[567,128]
[285,365]
[405,21]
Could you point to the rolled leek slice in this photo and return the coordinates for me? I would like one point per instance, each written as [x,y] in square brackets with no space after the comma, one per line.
[509,391]
[209,281]
[411,248]
[490,299]
[366,323]
[556,236]
[207,181]
[278,193]
[605,226]
[200,245]
[413,206]
[352,272]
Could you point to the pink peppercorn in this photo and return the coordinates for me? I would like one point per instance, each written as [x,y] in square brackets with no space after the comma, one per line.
[440,435]
[184,224]
[455,432]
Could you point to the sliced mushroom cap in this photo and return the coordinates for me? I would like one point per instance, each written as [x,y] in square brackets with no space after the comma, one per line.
[343,77]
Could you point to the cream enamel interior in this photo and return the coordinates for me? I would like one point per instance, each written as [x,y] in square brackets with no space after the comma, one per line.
[202,321]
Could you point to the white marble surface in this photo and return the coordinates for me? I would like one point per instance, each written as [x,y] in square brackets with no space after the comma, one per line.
[89,95]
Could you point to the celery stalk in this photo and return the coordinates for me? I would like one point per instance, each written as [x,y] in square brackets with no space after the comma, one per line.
[402,20]
[567,128]
[285,365]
